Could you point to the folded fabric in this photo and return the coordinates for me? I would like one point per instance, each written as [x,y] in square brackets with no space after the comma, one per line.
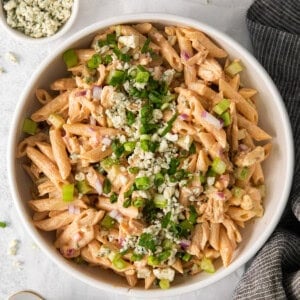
[274,27]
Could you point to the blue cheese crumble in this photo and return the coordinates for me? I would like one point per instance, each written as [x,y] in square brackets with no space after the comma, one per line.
[37,18]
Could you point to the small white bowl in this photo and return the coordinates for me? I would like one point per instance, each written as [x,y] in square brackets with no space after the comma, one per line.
[18,35]
[278,168]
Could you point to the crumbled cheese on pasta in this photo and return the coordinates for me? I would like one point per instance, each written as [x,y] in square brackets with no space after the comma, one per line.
[13,247]
[11,57]
[166,273]
[37,18]
[131,41]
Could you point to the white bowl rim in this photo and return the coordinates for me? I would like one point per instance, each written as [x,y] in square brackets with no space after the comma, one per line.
[159,18]
[20,36]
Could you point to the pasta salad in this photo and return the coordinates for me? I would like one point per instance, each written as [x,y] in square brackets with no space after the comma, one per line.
[145,159]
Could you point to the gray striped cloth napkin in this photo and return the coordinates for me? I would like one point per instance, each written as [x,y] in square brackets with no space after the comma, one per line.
[274,27]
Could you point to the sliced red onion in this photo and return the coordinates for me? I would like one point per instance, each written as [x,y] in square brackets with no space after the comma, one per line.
[106,141]
[73,210]
[184,243]
[115,214]
[243,147]
[209,118]
[81,93]
[77,236]
[92,121]
[97,91]
[219,196]
[68,252]
[184,55]
[184,116]
[121,241]
[99,187]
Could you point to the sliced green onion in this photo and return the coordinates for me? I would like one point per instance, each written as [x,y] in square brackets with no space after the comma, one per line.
[202,178]
[145,47]
[164,284]
[152,261]
[113,198]
[94,61]
[108,222]
[68,192]
[56,120]
[159,179]
[117,148]
[211,173]
[136,257]
[163,255]
[121,56]
[116,77]
[111,39]
[242,173]
[127,203]
[207,265]
[83,187]
[221,107]
[166,220]
[108,162]
[70,58]
[167,244]
[226,118]
[3,224]
[164,106]
[106,186]
[133,170]
[169,125]
[129,192]
[144,137]
[118,262]
[138,202]
[186,225]
[160,201]
[130,116]
[145,145]
[142,76]
[107,59]
[153,146]
[186,257]
[129,146]
[234,68]
[238,192]
[29,126]
[143,183]
[193,215]
[174,163]
[218,166]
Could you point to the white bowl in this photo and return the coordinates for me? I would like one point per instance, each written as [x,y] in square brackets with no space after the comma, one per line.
[278,168]
[18,35]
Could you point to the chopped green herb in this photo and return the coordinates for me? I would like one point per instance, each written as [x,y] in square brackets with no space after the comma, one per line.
[127,203]
[117,148]
[147,241]
[130,116]
[107,59]
[136,257]
[129,192]
[174,163]
[70,58]
[169,125]
[193,215]
[163,255]
[29,126]
[121,56]
[166,220]
[186,257]
[145,47]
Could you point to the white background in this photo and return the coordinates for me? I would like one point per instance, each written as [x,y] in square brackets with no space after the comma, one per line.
[37,272]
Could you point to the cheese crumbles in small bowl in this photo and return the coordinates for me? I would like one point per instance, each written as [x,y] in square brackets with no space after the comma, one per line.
[38,20]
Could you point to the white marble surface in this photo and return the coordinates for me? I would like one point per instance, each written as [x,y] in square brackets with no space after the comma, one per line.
[37,272]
